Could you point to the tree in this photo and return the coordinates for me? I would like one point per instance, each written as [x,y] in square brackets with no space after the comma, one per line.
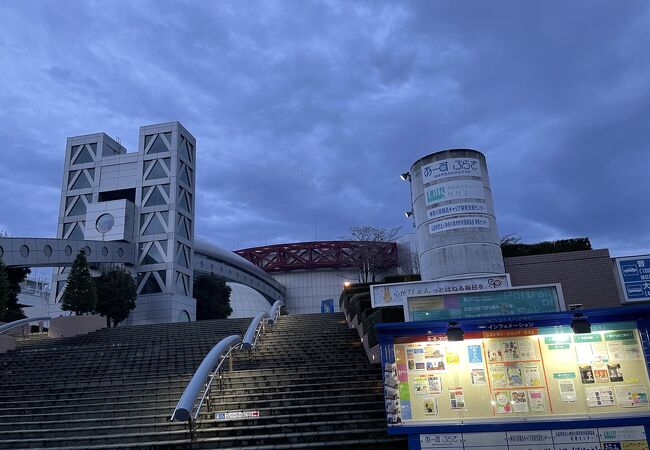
[511,246]
[116,294]
[80,295]
[369,256]
[409,260]
[212,297]
[15,277]
[4,289]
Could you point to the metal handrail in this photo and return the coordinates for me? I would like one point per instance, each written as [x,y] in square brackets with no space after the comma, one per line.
[212,365]
[275,311]
[203,376]
[254,330]
[17,323]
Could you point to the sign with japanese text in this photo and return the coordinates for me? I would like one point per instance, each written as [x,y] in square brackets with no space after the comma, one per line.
[634,274]
[454,190]
[457,223]
[451,167]
[395,294]
[457,208]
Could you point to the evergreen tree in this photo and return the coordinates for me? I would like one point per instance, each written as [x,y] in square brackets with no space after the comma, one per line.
[4,289]
[116,294]
[15,277]
[212,298]
[80,294]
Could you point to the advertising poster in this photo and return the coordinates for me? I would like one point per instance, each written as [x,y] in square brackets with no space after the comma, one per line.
[514,375]
[456,398]
[587,375]
[502,402]
[532,376]
[435,384]
[498,375]
[599,396]
[615,373]
[474,354]
[631,396]
[478,377]
[567,390]
[536,400]
[430,406]
[511,350]
[519,401]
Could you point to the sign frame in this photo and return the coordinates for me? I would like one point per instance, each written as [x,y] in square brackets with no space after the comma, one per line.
[625,286]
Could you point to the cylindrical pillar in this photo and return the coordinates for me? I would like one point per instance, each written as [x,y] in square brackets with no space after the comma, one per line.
[454,215]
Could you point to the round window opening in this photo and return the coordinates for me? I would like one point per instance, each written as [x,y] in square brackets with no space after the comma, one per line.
[105,223]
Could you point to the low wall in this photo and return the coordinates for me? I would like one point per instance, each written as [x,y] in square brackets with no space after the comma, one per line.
[67,326]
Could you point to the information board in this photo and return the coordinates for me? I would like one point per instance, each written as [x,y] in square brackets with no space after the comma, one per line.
[487,303]
[634,274]
[609,438]
[505,374]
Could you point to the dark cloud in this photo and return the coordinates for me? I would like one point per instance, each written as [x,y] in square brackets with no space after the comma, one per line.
[306,112]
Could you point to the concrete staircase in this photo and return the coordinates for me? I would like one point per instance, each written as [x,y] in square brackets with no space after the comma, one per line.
[115,388]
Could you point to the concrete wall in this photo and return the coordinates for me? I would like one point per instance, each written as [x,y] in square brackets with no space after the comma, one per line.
[587,277]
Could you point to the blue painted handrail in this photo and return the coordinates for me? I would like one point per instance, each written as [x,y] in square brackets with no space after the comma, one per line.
[185,407]
[17,323]
[254,330]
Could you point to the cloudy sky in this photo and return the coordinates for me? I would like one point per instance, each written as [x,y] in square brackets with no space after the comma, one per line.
[306,112]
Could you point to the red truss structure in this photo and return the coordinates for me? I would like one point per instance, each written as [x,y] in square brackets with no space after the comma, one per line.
[318,255]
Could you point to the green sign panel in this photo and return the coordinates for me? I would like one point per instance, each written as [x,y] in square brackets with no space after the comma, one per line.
[621,335]
[564,375]
[587,338]
[495,303]
[557,339]
[559,346]
[404,391]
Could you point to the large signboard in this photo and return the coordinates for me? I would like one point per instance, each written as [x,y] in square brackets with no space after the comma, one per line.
[491,303]
[395,294]
[634,273]
[505,374]
[454,190]
[452,167]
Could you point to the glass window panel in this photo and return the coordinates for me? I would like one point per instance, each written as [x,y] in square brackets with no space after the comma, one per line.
[147,139]
[181,284]
[69,201]
[157,172]
[184,151]
[79,208]
[91,172]
[77,233]
[150,286]
[182,202]
[81,182]
[158,146]
[154,227]
[165,188]
[163,276]
[66,227]
[148,164]
[156,198]
[168,136]
[93,147]
[181,256]
[153,256]
[183,175]
[89,198]
[182,229]
[83,157]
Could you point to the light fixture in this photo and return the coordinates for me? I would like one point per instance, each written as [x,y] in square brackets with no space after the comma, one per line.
[408,214]
[455,332]
[580,324]
[346,283]
[405,176]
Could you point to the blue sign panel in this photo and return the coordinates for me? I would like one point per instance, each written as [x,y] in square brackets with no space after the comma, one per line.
[327,306]
[635,277]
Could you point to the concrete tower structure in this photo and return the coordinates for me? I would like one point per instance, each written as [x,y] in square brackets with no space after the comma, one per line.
[454,215]
[145,198]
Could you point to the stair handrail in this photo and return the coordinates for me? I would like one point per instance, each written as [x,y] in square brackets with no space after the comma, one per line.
[255,329]
[275,311]
[202,378]
[19,322]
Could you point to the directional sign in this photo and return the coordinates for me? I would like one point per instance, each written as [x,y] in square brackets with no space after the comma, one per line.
[634,273]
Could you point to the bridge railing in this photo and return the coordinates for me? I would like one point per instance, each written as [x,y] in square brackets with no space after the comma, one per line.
[21,322]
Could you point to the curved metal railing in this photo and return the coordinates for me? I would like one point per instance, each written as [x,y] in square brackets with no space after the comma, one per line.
[20,322]
[212,365]
[255,329]
[275,311]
